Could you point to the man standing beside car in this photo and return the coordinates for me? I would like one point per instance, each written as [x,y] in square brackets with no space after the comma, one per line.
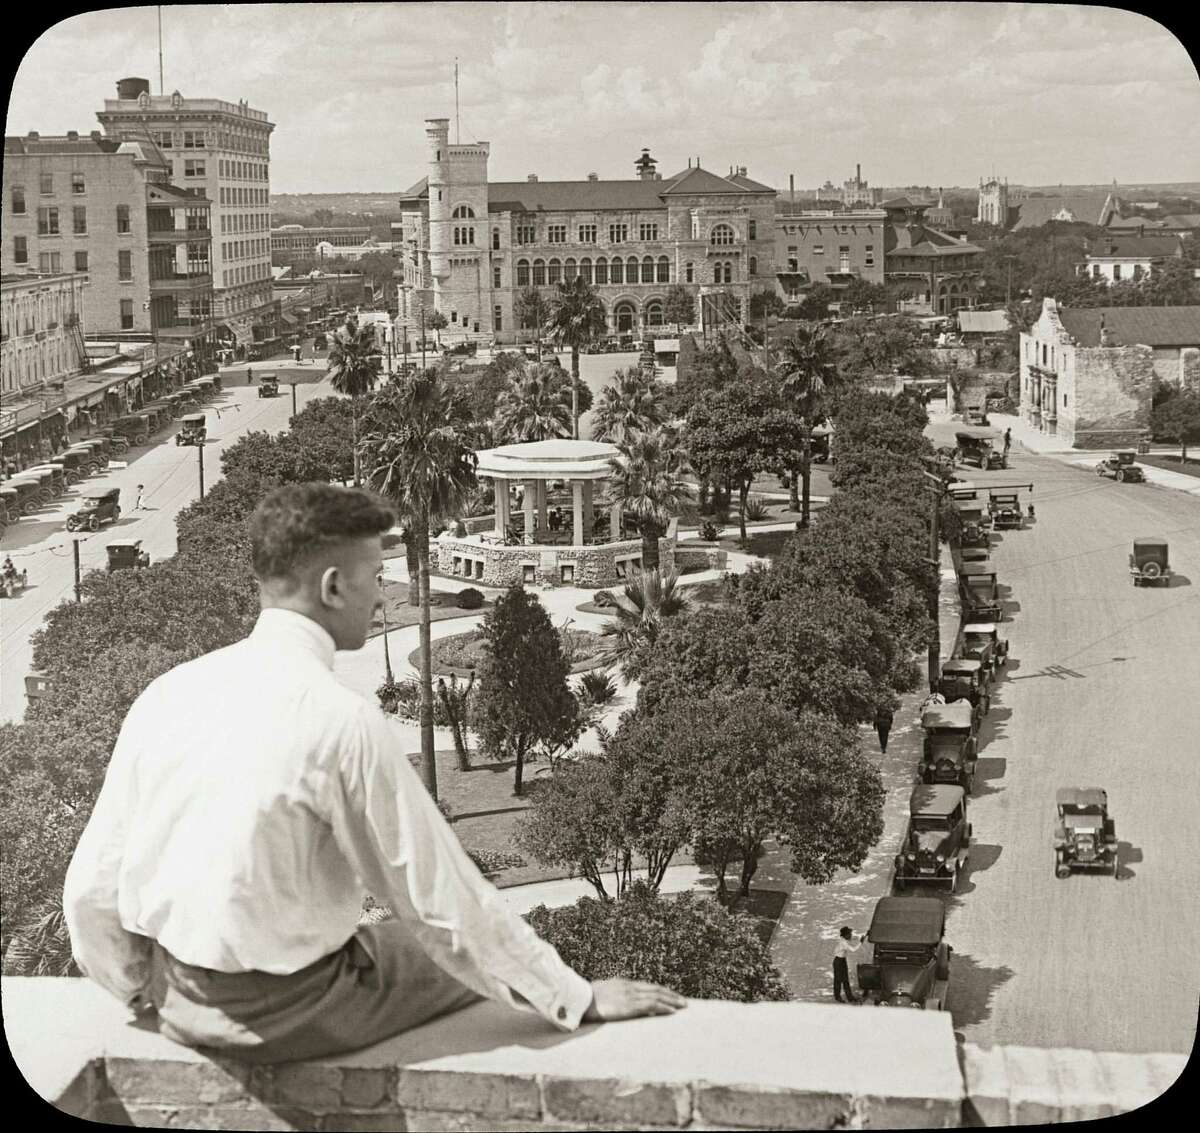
[220,878]
[841,968]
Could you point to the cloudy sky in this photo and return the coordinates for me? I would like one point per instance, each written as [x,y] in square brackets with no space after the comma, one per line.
[918,93]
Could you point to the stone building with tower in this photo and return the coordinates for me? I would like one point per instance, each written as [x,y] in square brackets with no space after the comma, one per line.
[469,245]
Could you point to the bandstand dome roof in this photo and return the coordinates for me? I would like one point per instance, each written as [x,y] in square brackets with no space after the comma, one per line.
[558,459]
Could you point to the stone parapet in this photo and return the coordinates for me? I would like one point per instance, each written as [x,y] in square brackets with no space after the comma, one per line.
[500,565]
[715,1065]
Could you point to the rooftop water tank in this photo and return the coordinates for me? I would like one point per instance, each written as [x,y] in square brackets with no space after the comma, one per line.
[131,88]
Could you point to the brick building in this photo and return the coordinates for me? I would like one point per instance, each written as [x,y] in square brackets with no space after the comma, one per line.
[292,242]
[831,246]
[858,192]
[221,149]
[930,272]
[41,338]
[468,246]
[107,210]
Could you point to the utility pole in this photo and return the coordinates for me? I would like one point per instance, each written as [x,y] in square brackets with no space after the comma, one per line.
[422,338]
[293,385]
[200,453]
[160,61]
[387,659]
[78,590]
[936,491]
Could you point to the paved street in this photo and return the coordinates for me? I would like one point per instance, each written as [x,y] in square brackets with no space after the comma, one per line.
[41,544]
[1101,691]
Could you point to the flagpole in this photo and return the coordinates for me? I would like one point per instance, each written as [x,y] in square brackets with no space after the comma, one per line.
[160,59]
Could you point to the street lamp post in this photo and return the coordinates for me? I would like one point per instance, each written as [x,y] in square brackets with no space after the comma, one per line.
[200,453]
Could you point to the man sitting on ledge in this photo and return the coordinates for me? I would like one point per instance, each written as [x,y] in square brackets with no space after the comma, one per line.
[250,801]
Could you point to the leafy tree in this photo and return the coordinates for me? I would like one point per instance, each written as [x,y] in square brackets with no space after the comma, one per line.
[679,306]
[765,303]
[685,941]
[629,402]
[436,322]
[417,451]
[524,704]
[646,482]
[532,312]
[1178,419]
[639,609]
[1174,282]
[354,371]
[484,387]
[807,373]
[703,651]
[324,433]
[322,218]
[712,368]
[576,319]
[534,407]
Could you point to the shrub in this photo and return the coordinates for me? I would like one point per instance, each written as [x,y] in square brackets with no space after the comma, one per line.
[757,508]
[604,598]
[598,687]
[403,699]
[470,599]
[710,532]
[686,941]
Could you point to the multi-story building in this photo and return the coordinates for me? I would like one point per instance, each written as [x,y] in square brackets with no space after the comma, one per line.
[470,246]
[41,340]
[292,242]
[832,246]
[107,210]
[997,199]
[858,192]
[928,271]
[222,149]
[1113,258]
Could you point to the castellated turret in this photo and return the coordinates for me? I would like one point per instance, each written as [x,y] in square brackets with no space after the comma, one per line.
[437,133]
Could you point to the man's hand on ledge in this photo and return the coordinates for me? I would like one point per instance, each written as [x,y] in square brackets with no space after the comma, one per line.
[629,999]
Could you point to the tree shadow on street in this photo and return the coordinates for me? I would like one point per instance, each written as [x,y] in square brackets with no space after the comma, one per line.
[982,857]
[972,987]
[988,770]
[1127,854]
[1177,580]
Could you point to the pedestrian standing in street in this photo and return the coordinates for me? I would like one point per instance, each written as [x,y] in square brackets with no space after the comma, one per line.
[219,880]
[841,968]
[1007,440]
[883,724]
[249,375]
[296,352]
[140,492]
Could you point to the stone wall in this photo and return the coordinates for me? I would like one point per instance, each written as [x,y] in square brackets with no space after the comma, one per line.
[693,556]
[975,387]
[1104,397]
[593,566]
[714,1065]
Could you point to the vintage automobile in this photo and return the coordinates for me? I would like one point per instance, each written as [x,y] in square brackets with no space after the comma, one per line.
[951,748]
[974,554]
[976,415]
[981,642]
[964,679]
[193,430]
[126,554]
[10,504]
[58,479]
[118,442]
[216,382]
[974,524]
[96,451]
[103,507]
[1005,510]
[1085,837]
[1121,465]
[962,490]
[269,387]
[975,447]
[133,428]
[464,349]
[821,437]
[980,593]
[37,685]
[28,494]
[1148,562]
[910,961]
[12,580]
[75,465]
[43,483]
[153,419]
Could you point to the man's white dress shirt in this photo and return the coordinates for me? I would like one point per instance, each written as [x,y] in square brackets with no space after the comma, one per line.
[843,948]
[250,801]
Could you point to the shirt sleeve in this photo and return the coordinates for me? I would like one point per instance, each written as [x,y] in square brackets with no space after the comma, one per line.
[404,851]
[118,960]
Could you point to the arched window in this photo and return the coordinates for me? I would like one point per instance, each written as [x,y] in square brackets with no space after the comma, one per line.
[754,265]
[539,273]
[654,313]
[555,273]
[522,273]
[716,273]
[464,212]
[648,269]
[602,270]
[585,269]
[625,315]
[722,234]
[569,270]
[631,270]
[618,270]
[664,270]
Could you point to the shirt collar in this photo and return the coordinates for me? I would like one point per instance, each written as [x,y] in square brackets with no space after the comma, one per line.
[290,629]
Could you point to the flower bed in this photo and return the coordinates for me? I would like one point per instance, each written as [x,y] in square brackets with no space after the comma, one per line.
[463,652]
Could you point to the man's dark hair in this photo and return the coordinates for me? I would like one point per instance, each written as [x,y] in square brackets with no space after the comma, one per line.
[296,520]
[846,934]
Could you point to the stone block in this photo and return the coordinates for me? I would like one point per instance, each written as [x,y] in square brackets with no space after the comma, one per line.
[757,1107]
[368,1087]
[260,1117]
[312,1085]
[438,1121]
[606,1100]
[393,1121]
[488,1095]
[183,1082]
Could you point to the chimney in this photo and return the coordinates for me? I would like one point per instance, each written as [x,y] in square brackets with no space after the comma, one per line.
[33,135]
[531,178]
[72,135]
[689,163]
[791,188]
[857,174]
[741,171]
[593,177]
[96,135]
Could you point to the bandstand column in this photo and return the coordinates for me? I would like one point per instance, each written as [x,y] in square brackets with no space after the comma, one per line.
[589,508]
[543,520]
[578,534]
[614,521]
[527,506]
[500,489]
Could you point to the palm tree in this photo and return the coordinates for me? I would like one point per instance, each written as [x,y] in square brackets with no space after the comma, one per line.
[420,459]
[534,407]
[639,611]
[576,318]
[807,373]
[353,370]
[629,401]
[532,311]
[646,482]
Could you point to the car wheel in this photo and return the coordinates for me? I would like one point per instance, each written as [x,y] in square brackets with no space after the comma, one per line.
[1099,469]
[93,523]
[1120,476]
[71,523]
[1061,869]
[900,884]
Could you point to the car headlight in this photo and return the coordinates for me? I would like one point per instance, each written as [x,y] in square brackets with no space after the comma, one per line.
[917,1003]
[941,858]
[911,857]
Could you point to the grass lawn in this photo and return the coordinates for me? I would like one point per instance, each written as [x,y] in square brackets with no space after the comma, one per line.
[765,906]
[1172,463]
[459,655]
[400,614]
[764,544]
